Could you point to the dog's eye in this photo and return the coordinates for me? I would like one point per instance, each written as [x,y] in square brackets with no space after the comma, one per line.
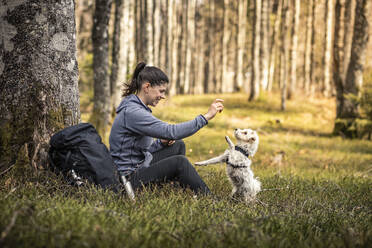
[245,133]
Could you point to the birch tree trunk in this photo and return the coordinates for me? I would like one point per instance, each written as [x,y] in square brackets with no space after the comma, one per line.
[127,57]
[142,34]
[274,45]
[149,29]
[190,49]
[284,54]
[218,51]
[100,36]
[84,23]
[176,32]
[328,48]
[338,55]
[211,54]
[265,45]
[157,25]
[38,78]
[116,67]
[200,32]
[170,42]
[309,47]
[225,43]
[255,79]
[242,17]
[163,37]
[182,46]
[294,47]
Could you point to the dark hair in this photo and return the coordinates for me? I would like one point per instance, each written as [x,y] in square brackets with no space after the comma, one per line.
[143,74]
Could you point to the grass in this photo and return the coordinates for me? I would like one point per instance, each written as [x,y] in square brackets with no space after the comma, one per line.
[318,196]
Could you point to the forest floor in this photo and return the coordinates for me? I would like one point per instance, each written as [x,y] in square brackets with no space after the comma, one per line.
[318,195]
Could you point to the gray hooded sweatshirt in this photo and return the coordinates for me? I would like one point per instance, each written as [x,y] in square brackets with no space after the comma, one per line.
[132,135]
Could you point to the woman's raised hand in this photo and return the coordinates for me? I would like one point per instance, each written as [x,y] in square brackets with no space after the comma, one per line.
[216,107]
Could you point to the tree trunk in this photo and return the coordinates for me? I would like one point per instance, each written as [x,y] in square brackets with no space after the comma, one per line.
[218,44]
[211,55]
[354,75]
[225,43]
[265,45]
[255,79]
[190,49]
[157,26]
[149,29]
[182,46]
[294,47]
[38,78]
[127,51]
[274,45]
[201,28]
[176,33]
[284,54]
[142,34]
[116,66]
[328,48]
[349,13]
[348,91]
[163,37]
[338,55]
[170,42]
[309,47]
[84,24]
[100,36]
[242,17]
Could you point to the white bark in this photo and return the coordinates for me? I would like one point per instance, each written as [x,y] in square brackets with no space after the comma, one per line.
[242,18]
[190,41]
[150,31]
[255,80]
[328,49]
[264,45]
[294,47]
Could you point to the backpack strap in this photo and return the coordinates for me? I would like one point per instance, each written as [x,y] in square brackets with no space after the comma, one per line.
[67,158]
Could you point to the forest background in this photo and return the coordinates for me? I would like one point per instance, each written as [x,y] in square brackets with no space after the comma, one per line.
[294,47]
[298,72]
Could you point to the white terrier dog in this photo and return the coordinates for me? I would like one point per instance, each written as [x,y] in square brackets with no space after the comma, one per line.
[239,165]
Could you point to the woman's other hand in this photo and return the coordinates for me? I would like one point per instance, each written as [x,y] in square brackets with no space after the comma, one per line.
[167,142]
[216,107]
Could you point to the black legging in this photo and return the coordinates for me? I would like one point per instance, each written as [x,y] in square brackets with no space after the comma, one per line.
[170,164]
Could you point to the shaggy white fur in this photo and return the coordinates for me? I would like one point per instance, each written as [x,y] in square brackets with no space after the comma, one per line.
[238,168]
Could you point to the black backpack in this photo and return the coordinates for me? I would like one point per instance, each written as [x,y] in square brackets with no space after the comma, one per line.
[79,154]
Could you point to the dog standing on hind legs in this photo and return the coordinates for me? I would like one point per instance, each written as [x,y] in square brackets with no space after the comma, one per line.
[238,164]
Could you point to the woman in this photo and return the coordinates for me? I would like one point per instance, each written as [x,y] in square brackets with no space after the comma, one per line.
[141,159]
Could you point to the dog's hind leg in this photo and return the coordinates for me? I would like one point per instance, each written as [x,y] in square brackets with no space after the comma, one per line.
[219,159]
[231,145]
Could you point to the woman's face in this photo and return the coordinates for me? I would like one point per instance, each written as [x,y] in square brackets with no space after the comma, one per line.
[155,94]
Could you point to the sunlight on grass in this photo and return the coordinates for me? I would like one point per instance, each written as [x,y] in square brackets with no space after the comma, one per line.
[318,195]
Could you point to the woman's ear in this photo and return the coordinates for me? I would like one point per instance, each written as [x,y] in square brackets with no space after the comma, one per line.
[146,86]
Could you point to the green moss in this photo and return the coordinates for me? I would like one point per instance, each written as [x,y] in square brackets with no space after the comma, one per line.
[17,133]
[14,134]
[55,119]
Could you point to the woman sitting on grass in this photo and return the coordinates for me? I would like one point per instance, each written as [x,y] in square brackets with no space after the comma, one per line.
[138,157]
